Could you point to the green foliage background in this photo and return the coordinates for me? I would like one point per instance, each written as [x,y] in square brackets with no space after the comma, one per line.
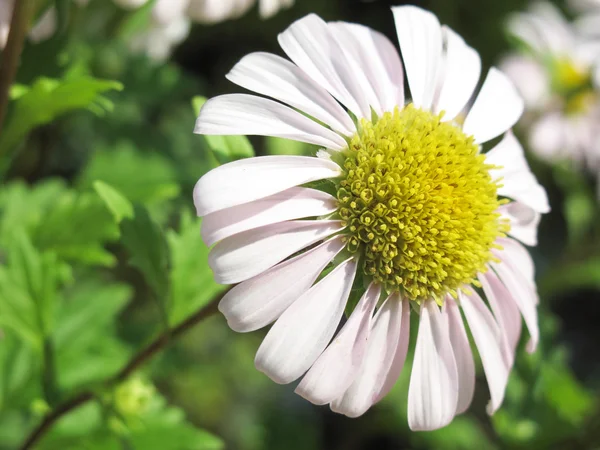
[100,254]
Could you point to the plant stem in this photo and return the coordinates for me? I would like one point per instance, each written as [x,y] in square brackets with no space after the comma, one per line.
[19,26]
[135,363]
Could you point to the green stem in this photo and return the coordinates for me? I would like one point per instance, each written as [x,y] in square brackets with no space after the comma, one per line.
[49,384]
[19,27]
[134,364]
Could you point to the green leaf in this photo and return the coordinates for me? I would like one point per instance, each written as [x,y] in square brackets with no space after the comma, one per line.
[192,283]
[197,103]
[154,182]
[579,204]
[28,290]
[48,99]
[229,148]
[148,250]
[75,226]
[87,346]
[18,372]
[158,436]
[119,206]
[225,148]
[579,213]
[280,146]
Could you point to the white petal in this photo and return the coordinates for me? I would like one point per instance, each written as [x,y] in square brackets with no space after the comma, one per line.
[399,357]
[383,361]
[524,221]
[519,183]
[376,58]
[310,44]
[235,114]
[517,257]
[462,354]
[433,391]
[276,77]
[247,254]
[489,341]
[524,296]
[420,38]
[303,331]
[497,108]
[459,77]
[259,301]
[293,203]
[505,311]
[246,180]
[337,367]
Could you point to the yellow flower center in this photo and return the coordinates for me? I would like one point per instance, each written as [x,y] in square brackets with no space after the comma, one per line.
[574,83]
[419,204]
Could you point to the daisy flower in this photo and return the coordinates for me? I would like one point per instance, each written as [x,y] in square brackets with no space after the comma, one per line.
[558,75]
[400,212]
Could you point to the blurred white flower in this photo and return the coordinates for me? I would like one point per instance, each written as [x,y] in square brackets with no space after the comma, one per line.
[214,11]
[42,30]
[170,20]
[557,74]
[583,5]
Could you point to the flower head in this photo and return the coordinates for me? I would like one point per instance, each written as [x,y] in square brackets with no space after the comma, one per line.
[400,210]
[559,77]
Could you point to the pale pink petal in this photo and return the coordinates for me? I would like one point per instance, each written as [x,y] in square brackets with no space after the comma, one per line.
[399,357]
[460,75]
[433,391]
[505,311]
[517,257]
[311,45]
[303,331]
[497,108]
[420,38]
[235,114]
[462,354]
[375,57]
[518,182]
[293,203]
[337,367]
[276,77]
[383,361]
[524,296]
[251,252]
[259,301]
[246,180]
[523,220]
[489,341]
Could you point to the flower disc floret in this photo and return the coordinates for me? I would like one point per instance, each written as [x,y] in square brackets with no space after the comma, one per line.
[419,204]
